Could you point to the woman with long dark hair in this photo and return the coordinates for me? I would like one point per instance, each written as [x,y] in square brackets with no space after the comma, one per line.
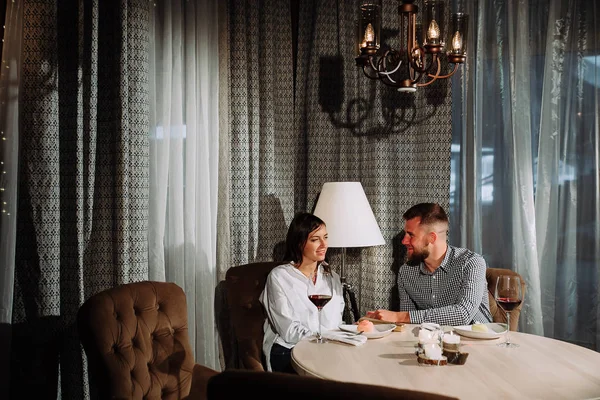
[291,316]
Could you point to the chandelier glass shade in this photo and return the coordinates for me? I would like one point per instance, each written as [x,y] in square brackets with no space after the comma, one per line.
[412,65]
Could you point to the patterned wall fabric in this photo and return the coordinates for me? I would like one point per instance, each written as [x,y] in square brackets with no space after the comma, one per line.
[83,195]
[345,128]
[396,144]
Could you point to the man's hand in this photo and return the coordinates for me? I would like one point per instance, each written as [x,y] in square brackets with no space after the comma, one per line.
[391,316]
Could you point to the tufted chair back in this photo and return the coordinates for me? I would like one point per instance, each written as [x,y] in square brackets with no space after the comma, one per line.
[498,314]
[244,284]
[136,340]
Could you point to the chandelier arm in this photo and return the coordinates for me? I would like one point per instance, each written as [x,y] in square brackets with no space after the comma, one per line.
[367,74]
[445,76]
[387,75]
[384,72]
[388,79]
[434,59]
[382,68]
[434,77]
[414,74]
[373,68]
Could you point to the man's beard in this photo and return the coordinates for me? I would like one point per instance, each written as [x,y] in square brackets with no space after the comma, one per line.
[417,257]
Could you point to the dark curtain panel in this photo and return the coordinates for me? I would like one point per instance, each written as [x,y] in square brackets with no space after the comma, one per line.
[83,193]
[263,145]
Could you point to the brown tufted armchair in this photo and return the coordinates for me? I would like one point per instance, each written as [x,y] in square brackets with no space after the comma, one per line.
[498,313]
[136,340]
[244,284]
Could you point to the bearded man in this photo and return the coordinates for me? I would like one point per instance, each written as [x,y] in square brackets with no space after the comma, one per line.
[438,283]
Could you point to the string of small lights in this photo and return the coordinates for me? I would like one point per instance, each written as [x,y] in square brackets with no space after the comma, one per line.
[8,158]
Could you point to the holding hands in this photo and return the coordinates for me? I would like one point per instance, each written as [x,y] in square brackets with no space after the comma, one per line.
[390,316]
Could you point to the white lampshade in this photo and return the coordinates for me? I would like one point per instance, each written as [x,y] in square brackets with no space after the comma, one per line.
[344,208]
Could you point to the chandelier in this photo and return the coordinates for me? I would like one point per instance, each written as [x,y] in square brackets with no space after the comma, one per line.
[412,65]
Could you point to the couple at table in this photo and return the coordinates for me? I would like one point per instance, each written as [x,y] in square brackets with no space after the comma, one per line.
[438,283]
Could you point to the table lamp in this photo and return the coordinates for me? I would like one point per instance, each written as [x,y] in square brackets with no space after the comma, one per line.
[344,208]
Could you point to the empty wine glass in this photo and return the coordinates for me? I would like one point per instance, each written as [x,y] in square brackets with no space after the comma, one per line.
[319,293]
[508,296]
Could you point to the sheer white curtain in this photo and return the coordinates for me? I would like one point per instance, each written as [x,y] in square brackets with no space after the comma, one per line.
[184,161]
[526,155]
[9,163]
[9,153]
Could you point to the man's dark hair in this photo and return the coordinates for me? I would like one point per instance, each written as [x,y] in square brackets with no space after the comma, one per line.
[430,213]
[302,225]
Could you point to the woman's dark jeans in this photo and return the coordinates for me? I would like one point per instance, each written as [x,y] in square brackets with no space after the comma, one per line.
[281,359]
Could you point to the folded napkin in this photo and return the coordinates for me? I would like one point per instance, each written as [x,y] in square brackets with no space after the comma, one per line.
[345,337]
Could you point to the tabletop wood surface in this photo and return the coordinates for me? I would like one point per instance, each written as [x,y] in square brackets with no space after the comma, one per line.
[541,368]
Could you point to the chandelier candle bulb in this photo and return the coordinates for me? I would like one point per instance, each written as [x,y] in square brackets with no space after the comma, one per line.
[369,36]
[433,33]
[456,43]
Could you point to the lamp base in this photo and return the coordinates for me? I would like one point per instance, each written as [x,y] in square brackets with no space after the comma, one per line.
[350,299]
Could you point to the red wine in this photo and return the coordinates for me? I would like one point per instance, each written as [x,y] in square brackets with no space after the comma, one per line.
[319,300]
[507,303]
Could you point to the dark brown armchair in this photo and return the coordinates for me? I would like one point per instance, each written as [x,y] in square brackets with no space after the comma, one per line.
[244,284]
[136,340]
[498,313]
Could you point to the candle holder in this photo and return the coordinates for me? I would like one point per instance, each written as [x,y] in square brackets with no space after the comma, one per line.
[430,353]
[421,359]
[451,349]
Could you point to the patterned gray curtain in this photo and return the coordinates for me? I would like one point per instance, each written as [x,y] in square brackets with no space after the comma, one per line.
[264,149]
[355,129]
[83,193]
[288,137]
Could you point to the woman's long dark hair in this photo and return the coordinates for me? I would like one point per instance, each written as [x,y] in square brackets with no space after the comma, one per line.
[302,225]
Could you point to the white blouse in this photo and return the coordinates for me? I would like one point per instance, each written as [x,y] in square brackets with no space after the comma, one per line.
[291,316]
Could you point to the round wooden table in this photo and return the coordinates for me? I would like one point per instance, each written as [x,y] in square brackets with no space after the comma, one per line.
[541,368]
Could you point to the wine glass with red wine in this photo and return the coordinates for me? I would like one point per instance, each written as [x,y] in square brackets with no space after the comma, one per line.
[508,296]
[319,293]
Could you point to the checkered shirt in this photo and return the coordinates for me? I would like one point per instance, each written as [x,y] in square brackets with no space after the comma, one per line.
[455,294]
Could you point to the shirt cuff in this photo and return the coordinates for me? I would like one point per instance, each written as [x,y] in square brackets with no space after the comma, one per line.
[417,316]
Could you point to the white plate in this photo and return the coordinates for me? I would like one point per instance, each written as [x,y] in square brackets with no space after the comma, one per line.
[495,330]
[380,331]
